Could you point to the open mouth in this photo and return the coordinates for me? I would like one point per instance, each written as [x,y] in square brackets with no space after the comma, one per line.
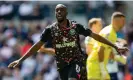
[59,16]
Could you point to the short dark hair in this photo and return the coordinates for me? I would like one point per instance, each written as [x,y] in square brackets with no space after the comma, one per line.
[117,15]
[93,21]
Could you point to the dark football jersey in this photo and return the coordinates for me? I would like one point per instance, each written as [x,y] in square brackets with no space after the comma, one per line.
[66,42]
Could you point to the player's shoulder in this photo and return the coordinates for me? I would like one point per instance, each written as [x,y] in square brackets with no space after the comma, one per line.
[51,25]
[73,22]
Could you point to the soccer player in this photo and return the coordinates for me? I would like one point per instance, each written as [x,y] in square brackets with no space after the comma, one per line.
[64,35]
[95,25]
[98,58]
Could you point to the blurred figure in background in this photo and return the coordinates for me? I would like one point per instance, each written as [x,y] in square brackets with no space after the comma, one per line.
[26,46]
[35,37]
[6,53]
[95,24]
[99,57]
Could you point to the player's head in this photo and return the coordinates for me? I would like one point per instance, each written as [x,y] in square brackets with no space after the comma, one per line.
[61,12]
[118,20]
[95,24]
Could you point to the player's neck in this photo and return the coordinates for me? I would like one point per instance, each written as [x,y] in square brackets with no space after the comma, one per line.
[115,27]
[63,23]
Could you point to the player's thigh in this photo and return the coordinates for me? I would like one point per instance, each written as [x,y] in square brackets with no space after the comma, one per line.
[64,73]
[74,72]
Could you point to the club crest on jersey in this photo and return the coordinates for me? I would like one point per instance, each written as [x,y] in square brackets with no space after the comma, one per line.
[72,32]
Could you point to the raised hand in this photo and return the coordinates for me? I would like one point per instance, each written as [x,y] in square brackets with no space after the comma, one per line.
[122,50]
[14,64]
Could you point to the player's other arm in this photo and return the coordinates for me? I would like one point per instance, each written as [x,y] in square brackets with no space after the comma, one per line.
[47,50]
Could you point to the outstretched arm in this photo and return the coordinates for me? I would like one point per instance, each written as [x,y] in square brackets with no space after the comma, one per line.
[30,52]
[46,35]
[87,32]
[103,40]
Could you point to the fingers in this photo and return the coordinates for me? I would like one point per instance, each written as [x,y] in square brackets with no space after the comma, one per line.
[125,48]
[13,65]
[39,51]
[119,52]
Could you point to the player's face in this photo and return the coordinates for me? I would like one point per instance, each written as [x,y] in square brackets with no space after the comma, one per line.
[120,22]
[97,27]
[60,13]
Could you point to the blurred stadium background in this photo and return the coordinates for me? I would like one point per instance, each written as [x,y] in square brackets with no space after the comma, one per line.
[21,23]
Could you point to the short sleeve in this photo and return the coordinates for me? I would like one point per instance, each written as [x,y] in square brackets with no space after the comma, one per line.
[46,35]
[83,31]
